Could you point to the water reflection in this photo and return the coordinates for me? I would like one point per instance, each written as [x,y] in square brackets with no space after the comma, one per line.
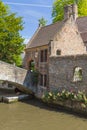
[34,115]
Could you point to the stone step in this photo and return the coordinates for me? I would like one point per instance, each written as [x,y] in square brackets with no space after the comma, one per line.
[11,99]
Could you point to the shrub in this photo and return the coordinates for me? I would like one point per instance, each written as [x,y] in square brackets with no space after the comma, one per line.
[65,95]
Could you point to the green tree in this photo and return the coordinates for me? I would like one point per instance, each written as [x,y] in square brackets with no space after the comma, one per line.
[11,42]
[58,8]
[42,22]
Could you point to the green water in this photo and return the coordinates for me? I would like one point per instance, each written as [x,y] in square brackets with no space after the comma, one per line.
[33,115]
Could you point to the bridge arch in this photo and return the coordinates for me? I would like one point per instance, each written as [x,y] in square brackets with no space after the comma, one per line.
[21,87]
[19,77]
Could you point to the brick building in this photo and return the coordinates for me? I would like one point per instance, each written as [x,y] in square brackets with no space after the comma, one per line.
[61,39]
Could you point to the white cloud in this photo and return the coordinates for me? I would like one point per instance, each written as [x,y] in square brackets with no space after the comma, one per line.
[34,5]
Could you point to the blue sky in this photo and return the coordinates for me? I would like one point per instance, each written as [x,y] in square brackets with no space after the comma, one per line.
[31,11]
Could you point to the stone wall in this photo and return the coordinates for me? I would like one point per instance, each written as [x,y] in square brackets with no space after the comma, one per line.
[12,73]
[61,72]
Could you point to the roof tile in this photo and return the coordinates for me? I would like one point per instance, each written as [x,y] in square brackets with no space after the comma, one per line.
[44,34]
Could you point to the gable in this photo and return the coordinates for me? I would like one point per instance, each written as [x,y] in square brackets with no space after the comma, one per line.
[68,40]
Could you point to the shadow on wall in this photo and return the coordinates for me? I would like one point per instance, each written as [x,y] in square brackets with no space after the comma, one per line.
[30,81]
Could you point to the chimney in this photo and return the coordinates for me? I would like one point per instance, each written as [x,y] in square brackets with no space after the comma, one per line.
[70,11]
[74,11]
[67,12]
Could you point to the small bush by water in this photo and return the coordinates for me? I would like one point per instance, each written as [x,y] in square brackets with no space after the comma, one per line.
[55,96]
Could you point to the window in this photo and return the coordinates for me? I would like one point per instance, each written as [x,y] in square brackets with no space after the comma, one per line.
[58,52]
[77,74]
[32,65]
[43,55]
[43,80]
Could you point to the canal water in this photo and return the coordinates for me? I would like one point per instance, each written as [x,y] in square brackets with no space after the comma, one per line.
[34,115]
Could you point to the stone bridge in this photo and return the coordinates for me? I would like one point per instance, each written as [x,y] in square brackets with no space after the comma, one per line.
[19,77]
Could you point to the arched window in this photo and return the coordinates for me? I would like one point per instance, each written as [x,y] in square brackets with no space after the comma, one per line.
[32,65]
[77,74]
[58,52]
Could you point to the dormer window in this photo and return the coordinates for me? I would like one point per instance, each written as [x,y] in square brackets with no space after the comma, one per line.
[58,52]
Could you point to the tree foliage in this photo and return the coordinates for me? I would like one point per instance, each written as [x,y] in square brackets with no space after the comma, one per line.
[42,22]
[11,43]
[58,8]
